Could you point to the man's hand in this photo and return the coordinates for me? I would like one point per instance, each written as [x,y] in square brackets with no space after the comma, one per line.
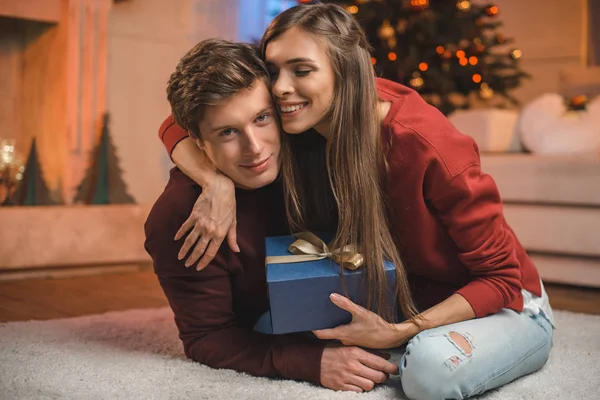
[212,218]
[353,369]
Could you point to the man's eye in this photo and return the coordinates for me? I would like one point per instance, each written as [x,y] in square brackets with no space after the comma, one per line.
[303,72]
[262,118]
[227,132]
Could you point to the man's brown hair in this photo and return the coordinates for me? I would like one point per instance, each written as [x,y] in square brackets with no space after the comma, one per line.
[211,72]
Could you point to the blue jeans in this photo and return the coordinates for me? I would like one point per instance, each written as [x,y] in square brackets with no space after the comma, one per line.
[468,358]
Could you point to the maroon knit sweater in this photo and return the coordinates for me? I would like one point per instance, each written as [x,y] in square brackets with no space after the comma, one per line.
[216,308]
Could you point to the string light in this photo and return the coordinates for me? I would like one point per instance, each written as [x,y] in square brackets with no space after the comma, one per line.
[419,3]
[352,9]
[447,54]
[460,54]
[476,78]
[516,54]
[485,91]
[463,61]
[386,30]
[423,66]
[473,60]
[392,42]
[392,56]
[492,10]
[373,60]
[439,50]
[417,82]
[463,5]
[401,26]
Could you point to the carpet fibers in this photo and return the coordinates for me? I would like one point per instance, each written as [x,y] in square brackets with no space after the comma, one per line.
[136,354]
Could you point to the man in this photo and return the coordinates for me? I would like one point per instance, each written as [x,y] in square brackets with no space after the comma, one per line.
[219,93]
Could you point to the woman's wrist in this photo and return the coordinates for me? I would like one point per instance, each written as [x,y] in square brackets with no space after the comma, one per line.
[217,181]
[403,332]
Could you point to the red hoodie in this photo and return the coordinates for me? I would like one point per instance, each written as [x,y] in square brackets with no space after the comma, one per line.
[446,213]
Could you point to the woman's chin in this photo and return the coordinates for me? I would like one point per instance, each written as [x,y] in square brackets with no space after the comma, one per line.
[296,128]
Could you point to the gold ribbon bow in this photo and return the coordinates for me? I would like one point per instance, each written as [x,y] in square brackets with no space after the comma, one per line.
[308,247]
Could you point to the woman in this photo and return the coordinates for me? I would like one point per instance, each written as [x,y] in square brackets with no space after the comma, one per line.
[485,318]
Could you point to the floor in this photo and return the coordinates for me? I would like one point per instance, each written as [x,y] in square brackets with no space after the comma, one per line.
[69,297]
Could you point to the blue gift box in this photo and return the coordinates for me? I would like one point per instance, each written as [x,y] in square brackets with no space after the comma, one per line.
[299,292]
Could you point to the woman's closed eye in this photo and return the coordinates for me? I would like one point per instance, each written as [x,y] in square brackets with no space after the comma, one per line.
[303,72]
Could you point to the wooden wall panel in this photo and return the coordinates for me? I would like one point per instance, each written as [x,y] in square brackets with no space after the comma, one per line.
[36,10]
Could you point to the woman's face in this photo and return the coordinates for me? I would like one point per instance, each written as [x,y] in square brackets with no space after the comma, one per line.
[302,81]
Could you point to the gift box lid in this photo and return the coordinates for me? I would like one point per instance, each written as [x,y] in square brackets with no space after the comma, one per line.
[278,246]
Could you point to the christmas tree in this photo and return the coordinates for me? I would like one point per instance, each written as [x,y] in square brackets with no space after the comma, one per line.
[450,51]
[32,190]
[103,183]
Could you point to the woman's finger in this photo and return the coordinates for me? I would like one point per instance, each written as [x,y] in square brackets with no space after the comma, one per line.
[185,227]
[232,236]
[345,303]
[209,254]
[333,333]
[189,242]
[198,250]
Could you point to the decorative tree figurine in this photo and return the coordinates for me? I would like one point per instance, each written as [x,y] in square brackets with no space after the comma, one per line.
[103,183]
[32,190]
[447,50]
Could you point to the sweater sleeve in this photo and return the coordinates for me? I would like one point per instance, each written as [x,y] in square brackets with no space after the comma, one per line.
[170,134]
[207,326]
[202,303]
[469,205]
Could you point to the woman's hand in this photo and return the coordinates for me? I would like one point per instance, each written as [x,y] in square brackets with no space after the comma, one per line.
[367,329]
[353,369]
[212,218]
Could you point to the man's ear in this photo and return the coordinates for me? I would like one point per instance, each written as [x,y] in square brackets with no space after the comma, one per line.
[199,143]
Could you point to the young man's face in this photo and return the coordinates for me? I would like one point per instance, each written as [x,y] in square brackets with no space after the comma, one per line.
[241,137]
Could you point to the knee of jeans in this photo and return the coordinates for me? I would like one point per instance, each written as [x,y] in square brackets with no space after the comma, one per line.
[427,374]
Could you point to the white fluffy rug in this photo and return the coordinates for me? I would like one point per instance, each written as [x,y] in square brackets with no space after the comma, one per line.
[136,355]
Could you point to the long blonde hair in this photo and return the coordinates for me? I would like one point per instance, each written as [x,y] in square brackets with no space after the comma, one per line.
[354,157]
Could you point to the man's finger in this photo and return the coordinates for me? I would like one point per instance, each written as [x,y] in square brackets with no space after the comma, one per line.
[198,251]
[378,363]
[373,374]
[232,237]
[363,383]
[381,354]
[189,242]
[209,254]
[186,226]
[352,388]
